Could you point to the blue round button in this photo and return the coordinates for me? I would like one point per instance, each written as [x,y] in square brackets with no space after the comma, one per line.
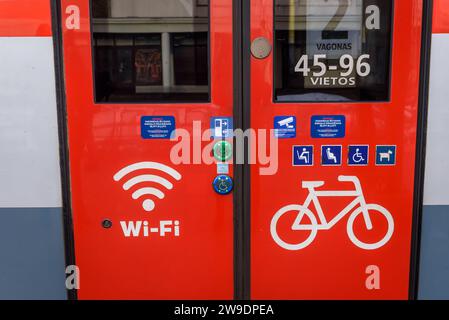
[223,184]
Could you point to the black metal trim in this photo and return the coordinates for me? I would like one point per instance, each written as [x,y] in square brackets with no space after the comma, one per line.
[238,168]
[69,243]
[142,103]
[389,78]
[242,196]
[246,114]
[426,41]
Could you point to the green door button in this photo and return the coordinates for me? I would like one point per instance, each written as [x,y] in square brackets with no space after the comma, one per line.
[223,151]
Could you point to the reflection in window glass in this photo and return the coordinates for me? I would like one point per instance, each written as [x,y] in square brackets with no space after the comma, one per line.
[151,50]
[332,50]
[188,71]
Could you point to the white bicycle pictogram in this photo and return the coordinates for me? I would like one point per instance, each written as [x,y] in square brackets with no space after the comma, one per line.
[362,209]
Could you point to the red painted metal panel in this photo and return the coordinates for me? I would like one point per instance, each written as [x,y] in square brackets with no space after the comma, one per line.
[441,16]
[106,138]
[25,18]
[332,267]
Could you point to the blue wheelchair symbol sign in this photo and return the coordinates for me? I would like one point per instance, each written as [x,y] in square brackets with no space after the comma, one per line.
[302,155]
[385,155]
[358,155]
[331,155]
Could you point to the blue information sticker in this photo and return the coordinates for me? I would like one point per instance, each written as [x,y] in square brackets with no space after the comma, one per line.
[331,155]
[157,127]
[328,126]
[303,156]
[222,127]
[285,127]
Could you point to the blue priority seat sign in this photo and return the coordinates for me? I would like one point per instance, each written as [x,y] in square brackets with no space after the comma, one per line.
[331,155]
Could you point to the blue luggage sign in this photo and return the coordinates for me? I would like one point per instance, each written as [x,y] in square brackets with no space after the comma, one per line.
[303,156]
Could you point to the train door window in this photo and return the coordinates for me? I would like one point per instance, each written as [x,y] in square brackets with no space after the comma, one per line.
[151,51]
[332,50]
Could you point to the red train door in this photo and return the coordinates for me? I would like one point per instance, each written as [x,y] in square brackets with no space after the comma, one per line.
[150,110]
[147,222]
[340,88]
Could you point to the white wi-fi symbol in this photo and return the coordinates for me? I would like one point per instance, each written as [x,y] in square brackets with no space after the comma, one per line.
[148,204]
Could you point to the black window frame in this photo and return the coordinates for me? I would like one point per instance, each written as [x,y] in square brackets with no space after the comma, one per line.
[158,102]
[366,102]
